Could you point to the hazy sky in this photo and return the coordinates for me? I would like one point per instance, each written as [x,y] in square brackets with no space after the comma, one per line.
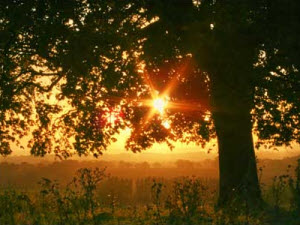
[118,147]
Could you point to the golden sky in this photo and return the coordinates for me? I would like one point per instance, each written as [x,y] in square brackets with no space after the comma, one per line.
[157,105]
[181,148]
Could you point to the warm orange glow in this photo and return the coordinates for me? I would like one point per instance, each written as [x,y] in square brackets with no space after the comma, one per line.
[206,118]
[159,100]
[166,124]
[159,104]
[112,117]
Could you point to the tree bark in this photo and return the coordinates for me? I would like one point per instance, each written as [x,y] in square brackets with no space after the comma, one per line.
[237,162]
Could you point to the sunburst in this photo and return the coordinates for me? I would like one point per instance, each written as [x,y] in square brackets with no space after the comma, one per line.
[159,104]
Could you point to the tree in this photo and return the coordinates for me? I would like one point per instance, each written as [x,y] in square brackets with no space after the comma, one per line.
[225,68]
[252,77]
[64,64]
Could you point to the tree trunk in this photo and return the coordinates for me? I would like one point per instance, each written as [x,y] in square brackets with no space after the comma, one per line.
[237,162]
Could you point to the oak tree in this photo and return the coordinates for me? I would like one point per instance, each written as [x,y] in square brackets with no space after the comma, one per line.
[74,73]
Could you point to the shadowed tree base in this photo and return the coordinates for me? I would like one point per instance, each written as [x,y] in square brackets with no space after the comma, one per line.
[238,172]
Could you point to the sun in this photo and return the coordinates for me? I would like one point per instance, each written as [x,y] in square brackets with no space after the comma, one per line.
[159,104]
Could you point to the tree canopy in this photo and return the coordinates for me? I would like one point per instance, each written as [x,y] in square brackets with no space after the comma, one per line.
[242,46]
[66,66]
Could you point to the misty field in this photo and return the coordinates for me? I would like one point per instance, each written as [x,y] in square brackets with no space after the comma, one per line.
[86,193]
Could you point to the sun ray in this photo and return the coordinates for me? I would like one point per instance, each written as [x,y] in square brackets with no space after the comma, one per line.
[186,106]
[160,102]
[146,78]
[181,73]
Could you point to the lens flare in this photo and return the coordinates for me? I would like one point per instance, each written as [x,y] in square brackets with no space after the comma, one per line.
[159,104]
[109,117]
[166,124]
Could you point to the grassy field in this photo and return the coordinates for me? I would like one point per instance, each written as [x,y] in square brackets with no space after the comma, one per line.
[93,197]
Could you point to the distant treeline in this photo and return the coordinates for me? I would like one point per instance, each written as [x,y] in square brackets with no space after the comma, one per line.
[28,175]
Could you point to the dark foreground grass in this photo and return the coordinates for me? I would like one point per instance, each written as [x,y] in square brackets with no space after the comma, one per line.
[92,197]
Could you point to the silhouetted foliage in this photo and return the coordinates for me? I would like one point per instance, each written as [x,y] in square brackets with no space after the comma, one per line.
[228,68]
